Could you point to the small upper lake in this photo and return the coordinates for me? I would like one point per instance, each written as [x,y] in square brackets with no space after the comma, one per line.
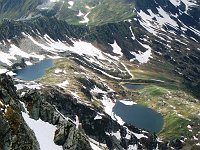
[139,116]
[35,71]
[133,86]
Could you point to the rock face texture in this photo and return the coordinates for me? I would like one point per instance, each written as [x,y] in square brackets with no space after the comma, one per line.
[150,42]
[14,134]
[42,104]
[74,121]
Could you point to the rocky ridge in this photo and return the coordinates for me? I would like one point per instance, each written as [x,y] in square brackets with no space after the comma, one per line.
[63,110]
[160,32]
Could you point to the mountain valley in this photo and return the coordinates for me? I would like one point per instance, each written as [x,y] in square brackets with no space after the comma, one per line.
[99,53]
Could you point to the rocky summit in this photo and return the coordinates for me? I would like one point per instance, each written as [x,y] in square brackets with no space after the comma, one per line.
[99,74]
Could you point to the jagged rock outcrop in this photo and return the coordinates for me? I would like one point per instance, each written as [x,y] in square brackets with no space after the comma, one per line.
[14,132]
[67,135]
[48,102]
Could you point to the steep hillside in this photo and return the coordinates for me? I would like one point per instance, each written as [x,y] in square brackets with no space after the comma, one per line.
[102,53]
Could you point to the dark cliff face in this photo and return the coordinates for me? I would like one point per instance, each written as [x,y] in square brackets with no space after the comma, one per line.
[14,132]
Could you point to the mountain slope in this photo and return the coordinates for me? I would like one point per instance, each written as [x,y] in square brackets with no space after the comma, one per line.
[96,52]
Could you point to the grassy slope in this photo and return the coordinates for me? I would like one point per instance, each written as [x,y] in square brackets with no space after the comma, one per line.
[171,99]
[19,10]
[101,11]
[178,108]
[104,12]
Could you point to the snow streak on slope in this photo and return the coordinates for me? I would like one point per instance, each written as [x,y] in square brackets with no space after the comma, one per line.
[6,58]
[86,19]
[92,56]
[188,3]
[14,52]
[160,19]
[80,14]
[3,71]
[142,57]
[44,133]
[96,145]
[42,47]
[152,22]
[53,1]
[175,2]
[71,3]
[116,49]
[79,47]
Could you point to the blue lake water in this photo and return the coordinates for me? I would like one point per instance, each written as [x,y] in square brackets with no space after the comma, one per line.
[35,71]
[133,86]
[139,116]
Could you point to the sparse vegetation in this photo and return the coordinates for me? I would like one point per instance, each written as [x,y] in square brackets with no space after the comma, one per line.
[104,12]
[177,106]
[174,127]
[13,119]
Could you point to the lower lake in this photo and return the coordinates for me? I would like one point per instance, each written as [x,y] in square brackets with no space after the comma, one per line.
[139,116]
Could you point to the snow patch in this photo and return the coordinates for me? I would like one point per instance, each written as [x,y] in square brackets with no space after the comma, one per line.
[195,138]
[10,73]
[86,19]
[75,95]
[127,70]
[3,71]
[117,135]
[58,71]
[97,90]
[53,1]
[116,49]
[30,85]
[71,3]
[125,102]
[133,36]
[80,14]
[188,4]
[108,107]
[77,122]
[142,57]
[132,147]
[14,50]
[175,2]
[139,136]
[44,133]
[151,22]
[96,145]
[28,63]
[6,58]
[63,84]
[98,117]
